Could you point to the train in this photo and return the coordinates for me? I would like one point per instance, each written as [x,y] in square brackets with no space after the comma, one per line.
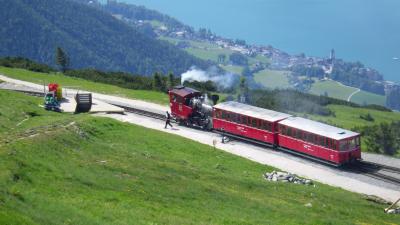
[281,131]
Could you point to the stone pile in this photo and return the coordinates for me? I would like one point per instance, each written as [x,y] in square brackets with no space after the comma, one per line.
[286,177]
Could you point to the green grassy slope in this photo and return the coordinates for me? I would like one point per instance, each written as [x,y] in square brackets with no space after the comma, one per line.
[76,83]
[208,54]
[363,97]
[333,88]
[272,79]
[78,169]
[233,69]
[349,117]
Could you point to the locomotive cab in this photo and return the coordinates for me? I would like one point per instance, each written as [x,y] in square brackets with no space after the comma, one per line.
[188,107]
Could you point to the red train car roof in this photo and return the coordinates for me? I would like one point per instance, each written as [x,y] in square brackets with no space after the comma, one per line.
[252,111]
[184,91]
[318,128]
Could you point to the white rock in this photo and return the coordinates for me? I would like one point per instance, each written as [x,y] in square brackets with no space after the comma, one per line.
[391,211]
[308,205]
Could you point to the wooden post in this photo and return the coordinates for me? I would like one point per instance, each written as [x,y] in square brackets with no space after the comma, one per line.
[392,206]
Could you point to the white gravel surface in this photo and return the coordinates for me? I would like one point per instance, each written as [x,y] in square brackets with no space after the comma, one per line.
[69,105]
[327,175]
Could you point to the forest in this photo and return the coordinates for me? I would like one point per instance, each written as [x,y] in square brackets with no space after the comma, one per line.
[91,37]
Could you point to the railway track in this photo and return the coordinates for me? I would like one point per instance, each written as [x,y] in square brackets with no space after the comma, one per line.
[366,168]
[141,112]
[376,171]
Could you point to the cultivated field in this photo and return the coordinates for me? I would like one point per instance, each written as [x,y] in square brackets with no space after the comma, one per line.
[333,89]
[77,169]
[349,117]
[363,97]
[233,69]
[273,79]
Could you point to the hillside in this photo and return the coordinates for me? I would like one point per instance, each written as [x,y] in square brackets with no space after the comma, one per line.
[304,73]
[369,120]
[69,169]
[91,37]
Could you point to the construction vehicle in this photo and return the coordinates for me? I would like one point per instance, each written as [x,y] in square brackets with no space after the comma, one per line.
[51,103]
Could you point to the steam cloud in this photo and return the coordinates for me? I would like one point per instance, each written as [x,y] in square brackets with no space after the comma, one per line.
[223,81]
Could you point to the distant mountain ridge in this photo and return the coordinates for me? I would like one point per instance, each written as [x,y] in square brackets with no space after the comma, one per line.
[91,37]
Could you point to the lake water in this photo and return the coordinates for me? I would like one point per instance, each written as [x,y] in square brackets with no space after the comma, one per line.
[359,30]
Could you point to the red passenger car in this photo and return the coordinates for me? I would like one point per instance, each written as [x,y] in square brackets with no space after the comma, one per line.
[247,121]
[330,144]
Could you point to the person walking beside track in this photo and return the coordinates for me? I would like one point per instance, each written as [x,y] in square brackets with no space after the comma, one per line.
[168,120]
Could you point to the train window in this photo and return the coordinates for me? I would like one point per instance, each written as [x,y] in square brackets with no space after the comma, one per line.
[228,116]
[280,127]
[243,120]
[352,143]
[309,137]
[315,139]
[233,117]
[289,131]
[296,133]
[334,144]
[343,145]
[284,130]
[327,143]
[260,124]
[253,122]
[357,141]
[304,136]
[218,114]
[223,115]
[266,125]
[293,132]
[237,118]
[187,101]
[321,141]
[299,134]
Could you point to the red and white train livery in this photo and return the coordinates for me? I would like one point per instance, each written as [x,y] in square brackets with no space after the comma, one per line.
[282,131]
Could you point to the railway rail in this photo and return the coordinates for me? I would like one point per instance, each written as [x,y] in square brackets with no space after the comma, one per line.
[370,169]
[141,112]
[375,170]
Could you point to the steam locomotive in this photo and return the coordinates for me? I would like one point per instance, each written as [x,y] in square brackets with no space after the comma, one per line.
[315,140]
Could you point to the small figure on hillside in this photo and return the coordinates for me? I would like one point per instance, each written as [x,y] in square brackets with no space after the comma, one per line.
[168,120]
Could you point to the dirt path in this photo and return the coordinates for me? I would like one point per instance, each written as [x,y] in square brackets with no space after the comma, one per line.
[352,94]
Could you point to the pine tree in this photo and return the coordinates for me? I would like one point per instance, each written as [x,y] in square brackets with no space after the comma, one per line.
[157,82]
[171,80]
[62,59]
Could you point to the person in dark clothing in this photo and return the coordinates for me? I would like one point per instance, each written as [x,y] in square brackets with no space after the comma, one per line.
[168,121]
